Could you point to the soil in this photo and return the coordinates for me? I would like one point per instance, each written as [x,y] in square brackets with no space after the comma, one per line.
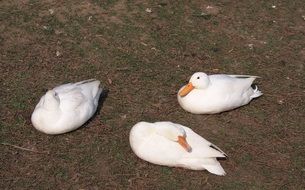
[143,52]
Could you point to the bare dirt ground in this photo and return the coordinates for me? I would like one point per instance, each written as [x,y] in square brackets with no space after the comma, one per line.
[143,52]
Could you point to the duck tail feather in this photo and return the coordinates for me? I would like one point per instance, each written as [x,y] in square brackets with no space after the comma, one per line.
[215,169]
[256,92]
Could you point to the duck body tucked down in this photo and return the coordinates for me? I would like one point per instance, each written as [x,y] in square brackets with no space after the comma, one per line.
[66,107]
[174,145]
[210,94]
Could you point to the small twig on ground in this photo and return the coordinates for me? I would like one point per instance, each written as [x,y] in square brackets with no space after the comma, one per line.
[25,149]
[123,69]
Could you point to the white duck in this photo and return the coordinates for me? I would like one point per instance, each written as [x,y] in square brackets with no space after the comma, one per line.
[174,145]
[66,107]
[209,94]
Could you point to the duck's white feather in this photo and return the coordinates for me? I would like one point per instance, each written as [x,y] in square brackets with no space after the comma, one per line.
[244,76]
[150,146]
[77,102]
[224,92]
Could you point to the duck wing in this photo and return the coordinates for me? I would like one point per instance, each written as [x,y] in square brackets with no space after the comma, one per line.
[72,99]
[90,88]
[72,95]
[231,84]
[244,76]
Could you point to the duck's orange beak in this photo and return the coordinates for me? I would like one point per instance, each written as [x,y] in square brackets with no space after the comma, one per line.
[184,144]
[187,89]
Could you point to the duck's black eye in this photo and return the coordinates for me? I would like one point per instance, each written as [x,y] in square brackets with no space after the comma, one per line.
[198,77]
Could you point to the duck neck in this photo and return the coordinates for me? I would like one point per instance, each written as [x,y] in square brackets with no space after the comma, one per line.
[51,104]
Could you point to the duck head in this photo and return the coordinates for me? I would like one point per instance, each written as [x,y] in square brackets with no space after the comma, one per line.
[174,133]
[198,80]
[51,100]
